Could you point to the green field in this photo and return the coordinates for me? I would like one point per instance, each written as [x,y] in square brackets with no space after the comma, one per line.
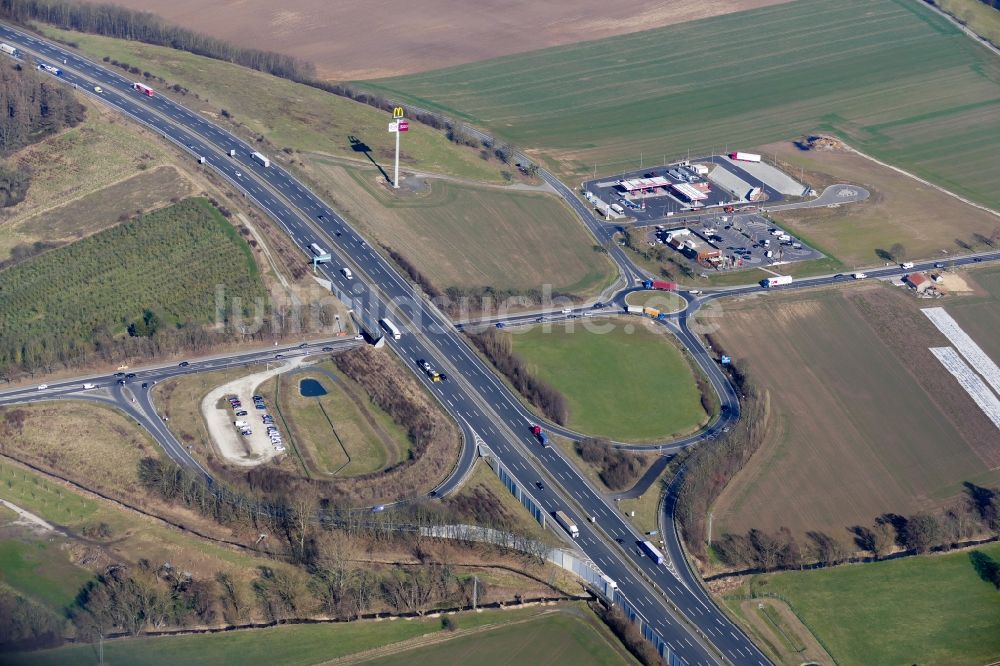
[290,115]
[302,645]
[171,262]
[41,570]
[889,76]
[341,433]
[631,383]
[462,235]
[931,609]
[562,639]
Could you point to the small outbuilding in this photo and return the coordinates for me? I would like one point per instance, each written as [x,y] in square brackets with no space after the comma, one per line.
[918,282]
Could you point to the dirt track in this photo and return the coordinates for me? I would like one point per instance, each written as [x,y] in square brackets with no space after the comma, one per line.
[365,40]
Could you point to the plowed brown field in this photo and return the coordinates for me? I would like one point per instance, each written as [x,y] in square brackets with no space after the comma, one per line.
[367,40]
[867,421]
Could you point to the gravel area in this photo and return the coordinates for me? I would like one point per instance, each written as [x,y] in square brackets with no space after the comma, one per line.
[231,445]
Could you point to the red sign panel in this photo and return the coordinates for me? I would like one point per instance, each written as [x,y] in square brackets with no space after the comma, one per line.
[404,126]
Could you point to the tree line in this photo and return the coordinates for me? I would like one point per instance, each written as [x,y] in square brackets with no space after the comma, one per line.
[499,349]
[888,534]
[35,106]
[712,465]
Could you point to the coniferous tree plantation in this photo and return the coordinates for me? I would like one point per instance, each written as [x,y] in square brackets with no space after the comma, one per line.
[145,286]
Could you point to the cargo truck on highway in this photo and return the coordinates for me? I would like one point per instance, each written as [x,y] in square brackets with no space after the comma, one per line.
[143,88]
[661,285]
[49,68]
[260,159]
[88,385]
[567,524]
[390,328]
[537,431]
[10,50]
[776,281]
[653,313]
[745,157]
[652,551]
[634,309]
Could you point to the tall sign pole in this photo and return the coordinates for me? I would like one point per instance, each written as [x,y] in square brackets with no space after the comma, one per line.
[397,126]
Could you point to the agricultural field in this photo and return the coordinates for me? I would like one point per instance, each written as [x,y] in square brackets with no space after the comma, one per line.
[289,115]
[901,211]
[629,383]
[306,644]
[70,172]
[38,569]
[169,263]
[463,235]
[982,18]
[413,38]
[931,609]
[558,638]
[341,433]
[888,76]
[866,421]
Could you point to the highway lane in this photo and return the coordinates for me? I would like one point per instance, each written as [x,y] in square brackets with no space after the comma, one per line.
[426,334]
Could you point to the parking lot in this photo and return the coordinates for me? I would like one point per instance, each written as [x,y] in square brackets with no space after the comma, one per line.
[662,193]
[743,240]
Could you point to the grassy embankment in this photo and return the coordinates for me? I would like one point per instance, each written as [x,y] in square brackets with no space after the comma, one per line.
[457,234]
[338,434]
[631,383]
[928,609]
[902,84]
[83,179]
[461,235]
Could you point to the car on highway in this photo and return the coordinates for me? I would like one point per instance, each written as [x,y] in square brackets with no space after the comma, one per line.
[130,375]
[42,387]
[423,365]
[145,385]
[183,364]
[977,259]
[121,382]
[694,292]
[328,349]
[303,345]
[278,356]
[539,485]
[859,276]
[500,324]
[98,89]
[443,377]
[119,374]
[939,265]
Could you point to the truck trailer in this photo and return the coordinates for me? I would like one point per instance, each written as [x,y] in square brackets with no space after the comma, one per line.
[144,89]
[634,309]
[567,524]
[260,159]
[652,551]
[539,434]
[9,50]
[660,285]
[776,281]
[745,157]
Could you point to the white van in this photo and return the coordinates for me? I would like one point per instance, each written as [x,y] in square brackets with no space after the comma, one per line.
[347,273]
[240,424]
[906,264]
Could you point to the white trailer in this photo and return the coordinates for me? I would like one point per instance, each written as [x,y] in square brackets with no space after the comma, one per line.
[567,524]
[390,328]
[744,157]
[9,50]
[776,281]
[260,159]
[634,309]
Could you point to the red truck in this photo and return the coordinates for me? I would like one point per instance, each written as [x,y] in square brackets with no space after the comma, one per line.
[537,431]
[143,88]
[660,284]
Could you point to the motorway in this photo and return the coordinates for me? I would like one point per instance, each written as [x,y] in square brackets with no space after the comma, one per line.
[480,403]
[667,597]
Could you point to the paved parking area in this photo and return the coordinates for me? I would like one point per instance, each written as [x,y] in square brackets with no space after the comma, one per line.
[744,240]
